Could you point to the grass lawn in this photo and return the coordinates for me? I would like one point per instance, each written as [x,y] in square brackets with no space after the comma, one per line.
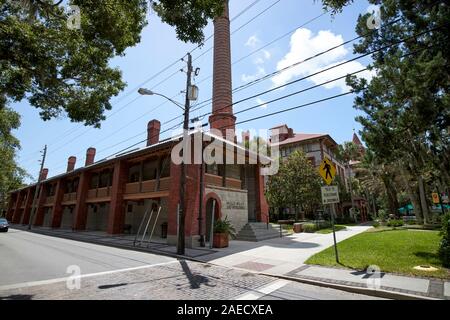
[392,250]
[337,227]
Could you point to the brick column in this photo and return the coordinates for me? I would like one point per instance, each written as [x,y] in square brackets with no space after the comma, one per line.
[80,211]
[192,200]
[28,204]
[57,207]
[116,209]
[262,208]
[39,220]
[16,215]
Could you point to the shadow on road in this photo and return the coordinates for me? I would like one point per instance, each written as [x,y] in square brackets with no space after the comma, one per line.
[17,297]
[195,280]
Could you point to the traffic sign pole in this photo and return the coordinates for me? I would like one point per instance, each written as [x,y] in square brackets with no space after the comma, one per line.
[334,234]
[330,195]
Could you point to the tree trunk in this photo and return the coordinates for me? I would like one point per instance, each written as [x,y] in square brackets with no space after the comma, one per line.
[423,200]
[391,194]
[412,196]
[374,204]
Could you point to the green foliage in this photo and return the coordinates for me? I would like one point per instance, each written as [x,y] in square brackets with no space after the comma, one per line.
[66,72]
[312,227]
[411,222]
[309,227]
[444,247]
[382,214]
[224,226]
[406,107]
[297,185]
[11,175]
[188,17]
[395,223]
[376,224]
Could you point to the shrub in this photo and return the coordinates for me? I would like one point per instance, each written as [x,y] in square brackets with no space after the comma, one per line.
[224,226]
[444,247]
[395,223]
[382,214]
[376,224]
[309,227]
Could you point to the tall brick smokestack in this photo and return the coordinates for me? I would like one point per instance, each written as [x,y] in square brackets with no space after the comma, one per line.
[222,117]
[71,163]
[90,156]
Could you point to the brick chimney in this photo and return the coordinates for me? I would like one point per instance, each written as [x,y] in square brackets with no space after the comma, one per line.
[71,163]
[153,129]
[222,117]
[44,174]
[90,156]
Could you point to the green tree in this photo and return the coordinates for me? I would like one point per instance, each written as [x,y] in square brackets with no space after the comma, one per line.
[11,176]
[297,185]
[406,112]
[64,71]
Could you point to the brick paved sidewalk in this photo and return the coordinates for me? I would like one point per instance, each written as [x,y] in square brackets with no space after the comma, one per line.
[397,284]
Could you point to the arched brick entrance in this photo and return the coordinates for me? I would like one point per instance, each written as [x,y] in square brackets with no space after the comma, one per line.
[207,211]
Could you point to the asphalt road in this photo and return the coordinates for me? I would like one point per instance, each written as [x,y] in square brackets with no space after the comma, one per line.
[34,266]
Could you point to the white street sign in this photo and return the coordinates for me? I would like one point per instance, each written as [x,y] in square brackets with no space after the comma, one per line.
[330,194]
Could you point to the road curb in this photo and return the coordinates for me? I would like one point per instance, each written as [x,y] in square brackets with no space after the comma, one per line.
[359,290]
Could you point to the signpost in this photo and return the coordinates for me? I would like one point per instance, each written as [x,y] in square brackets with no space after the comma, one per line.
[330,194]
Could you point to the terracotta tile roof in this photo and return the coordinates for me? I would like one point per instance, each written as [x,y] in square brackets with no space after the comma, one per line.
[299,137]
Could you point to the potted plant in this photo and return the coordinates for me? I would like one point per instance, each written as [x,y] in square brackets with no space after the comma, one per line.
[223,229]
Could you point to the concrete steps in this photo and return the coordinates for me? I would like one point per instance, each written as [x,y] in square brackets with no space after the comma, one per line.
[258,231]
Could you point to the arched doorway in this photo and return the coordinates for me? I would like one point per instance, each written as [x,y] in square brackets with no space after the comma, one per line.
[212,202]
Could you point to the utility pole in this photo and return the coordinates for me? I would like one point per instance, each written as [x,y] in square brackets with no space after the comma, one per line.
[38,187]
[182,212]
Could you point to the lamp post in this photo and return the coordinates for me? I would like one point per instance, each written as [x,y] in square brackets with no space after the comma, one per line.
[147,92]
[191,94]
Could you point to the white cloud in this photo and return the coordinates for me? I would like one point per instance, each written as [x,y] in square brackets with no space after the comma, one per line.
[267,55]
[262,103]
[260,73]
[304,45]
[252,42]
[258,60]
[373,9]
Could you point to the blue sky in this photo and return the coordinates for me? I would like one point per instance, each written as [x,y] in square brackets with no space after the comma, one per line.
[159,48]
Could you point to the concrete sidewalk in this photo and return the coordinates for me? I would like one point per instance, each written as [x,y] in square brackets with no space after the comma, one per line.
[277,256]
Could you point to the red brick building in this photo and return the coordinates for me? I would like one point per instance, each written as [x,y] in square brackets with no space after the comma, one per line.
[112,194]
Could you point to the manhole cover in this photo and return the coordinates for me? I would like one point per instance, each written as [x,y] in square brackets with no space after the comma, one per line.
[425,268]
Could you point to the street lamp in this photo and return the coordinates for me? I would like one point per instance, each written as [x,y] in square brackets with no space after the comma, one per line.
[147,92]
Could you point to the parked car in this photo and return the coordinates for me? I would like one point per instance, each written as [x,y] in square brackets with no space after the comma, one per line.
[4,225]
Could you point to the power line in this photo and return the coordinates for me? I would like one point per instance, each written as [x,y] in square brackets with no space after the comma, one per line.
[321,71]
[284,97]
